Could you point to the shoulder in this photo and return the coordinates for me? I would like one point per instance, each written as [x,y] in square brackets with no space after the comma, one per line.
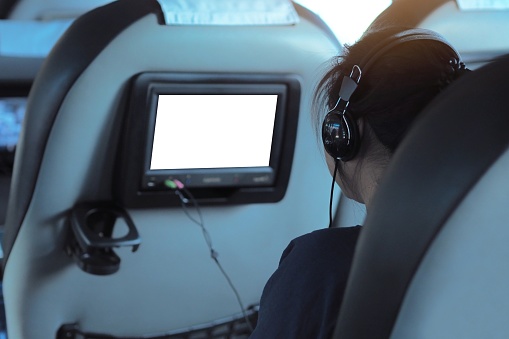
[302,297]
[335,242]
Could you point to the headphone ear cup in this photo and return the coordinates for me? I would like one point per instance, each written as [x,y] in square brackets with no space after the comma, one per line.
[340,135]
[354,140]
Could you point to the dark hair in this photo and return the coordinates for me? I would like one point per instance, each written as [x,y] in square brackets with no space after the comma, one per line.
[395,89]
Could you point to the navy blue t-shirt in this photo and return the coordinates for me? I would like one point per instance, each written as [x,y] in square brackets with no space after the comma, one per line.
[302,298]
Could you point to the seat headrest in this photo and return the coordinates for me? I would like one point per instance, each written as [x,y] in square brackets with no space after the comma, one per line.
[229,12]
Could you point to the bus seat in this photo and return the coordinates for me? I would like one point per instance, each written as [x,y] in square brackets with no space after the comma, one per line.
[68,152]
[431,261]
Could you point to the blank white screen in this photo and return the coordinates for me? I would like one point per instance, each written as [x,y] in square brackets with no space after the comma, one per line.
[213,131]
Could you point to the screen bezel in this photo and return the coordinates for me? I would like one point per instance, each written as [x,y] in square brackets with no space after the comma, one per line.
[140,186]
[221,176]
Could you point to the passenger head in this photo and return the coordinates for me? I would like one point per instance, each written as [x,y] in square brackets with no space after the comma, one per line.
[390,95]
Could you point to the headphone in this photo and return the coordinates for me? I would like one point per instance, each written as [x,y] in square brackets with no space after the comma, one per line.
[340,133]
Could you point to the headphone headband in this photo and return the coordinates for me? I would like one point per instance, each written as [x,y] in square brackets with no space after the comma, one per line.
[400,38]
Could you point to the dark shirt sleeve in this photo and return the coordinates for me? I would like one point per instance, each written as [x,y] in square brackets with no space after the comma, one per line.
[302,298]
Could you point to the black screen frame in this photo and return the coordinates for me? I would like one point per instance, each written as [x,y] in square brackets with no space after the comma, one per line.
[138,186]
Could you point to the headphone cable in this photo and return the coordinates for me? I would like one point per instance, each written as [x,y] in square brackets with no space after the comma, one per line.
[213,253]
[336,164]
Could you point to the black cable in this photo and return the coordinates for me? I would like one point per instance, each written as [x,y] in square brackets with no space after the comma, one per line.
[213,253]
[336,164]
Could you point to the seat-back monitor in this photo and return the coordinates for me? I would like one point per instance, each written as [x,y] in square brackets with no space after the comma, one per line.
[227,138]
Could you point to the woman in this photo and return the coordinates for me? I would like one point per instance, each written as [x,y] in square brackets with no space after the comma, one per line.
[370,97]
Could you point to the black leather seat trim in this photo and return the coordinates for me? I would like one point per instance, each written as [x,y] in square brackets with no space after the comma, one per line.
[460,135]
[76,49]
